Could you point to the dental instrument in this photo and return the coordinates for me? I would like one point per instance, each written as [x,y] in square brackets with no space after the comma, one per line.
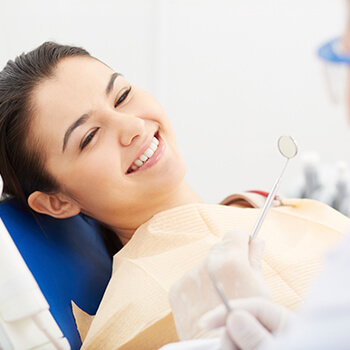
[218,287]
[289,149]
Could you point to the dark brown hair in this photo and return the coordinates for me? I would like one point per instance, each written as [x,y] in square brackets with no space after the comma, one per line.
[21,164]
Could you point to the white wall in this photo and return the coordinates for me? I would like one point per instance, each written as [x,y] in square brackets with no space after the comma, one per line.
[233,75]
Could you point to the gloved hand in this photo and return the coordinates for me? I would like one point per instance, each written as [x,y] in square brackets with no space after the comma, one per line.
[235,263]
[251,322]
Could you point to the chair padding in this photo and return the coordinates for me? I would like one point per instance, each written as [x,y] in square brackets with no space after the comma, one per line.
[68,259]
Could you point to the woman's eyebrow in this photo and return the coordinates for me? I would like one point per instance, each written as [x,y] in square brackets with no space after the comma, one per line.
[85,117]
[69,131]
[111,83]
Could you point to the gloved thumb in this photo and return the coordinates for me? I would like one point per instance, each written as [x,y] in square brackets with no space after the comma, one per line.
[245,330]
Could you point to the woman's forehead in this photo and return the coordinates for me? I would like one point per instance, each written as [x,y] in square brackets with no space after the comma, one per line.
[76,80]
[74,88]
[80,70]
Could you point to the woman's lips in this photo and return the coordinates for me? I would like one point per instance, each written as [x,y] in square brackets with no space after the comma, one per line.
[150,156]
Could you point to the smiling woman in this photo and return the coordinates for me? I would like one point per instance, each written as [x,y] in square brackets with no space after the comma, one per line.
[90,131]
[95,128]
[77,137]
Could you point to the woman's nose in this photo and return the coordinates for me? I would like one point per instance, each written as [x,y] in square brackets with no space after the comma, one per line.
[128,128]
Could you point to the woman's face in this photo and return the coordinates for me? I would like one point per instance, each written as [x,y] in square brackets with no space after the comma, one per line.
[108,143]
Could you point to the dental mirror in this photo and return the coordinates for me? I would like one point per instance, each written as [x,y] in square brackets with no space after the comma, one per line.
[287,146]
[289,149]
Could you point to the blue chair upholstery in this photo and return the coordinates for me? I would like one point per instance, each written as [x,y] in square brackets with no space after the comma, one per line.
[68,259]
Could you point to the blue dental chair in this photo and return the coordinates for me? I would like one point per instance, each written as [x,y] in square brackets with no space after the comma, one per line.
[69,262]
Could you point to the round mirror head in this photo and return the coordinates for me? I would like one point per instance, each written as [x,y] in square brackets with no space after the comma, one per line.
[287,146]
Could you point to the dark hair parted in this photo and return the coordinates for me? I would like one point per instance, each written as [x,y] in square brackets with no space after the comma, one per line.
[22,161]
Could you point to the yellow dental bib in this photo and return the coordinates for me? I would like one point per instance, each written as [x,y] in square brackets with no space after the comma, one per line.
[135,312]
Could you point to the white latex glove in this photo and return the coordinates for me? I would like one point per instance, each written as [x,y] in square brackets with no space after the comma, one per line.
[251,323]
[236,264]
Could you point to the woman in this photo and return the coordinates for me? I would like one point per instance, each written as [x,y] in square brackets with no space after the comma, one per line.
[101,134]
[77,137]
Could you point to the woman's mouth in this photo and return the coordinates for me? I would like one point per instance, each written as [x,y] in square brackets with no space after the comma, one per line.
[143,158]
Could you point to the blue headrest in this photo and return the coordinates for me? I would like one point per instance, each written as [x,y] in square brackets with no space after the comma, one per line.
[68,259]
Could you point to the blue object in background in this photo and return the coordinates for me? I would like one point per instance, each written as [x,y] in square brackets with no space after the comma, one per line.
[331,52]
[67,257]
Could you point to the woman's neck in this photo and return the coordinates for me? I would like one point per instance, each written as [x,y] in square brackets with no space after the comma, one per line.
[183,195]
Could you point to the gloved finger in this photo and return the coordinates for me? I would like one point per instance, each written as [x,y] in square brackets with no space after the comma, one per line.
[214,318]
[271,315]
[229,252]
[245,330]
[236,239]
[264,310]
[226,342]
[256,249]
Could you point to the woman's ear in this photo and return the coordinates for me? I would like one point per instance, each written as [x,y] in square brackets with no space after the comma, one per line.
[58,206]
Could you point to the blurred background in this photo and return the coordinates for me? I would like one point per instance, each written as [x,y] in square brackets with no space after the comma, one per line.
[233,76]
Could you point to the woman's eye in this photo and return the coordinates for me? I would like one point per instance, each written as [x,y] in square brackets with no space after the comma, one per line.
[122,97]
[88,138]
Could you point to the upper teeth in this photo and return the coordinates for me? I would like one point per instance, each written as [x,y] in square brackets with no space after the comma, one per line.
[146,155]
